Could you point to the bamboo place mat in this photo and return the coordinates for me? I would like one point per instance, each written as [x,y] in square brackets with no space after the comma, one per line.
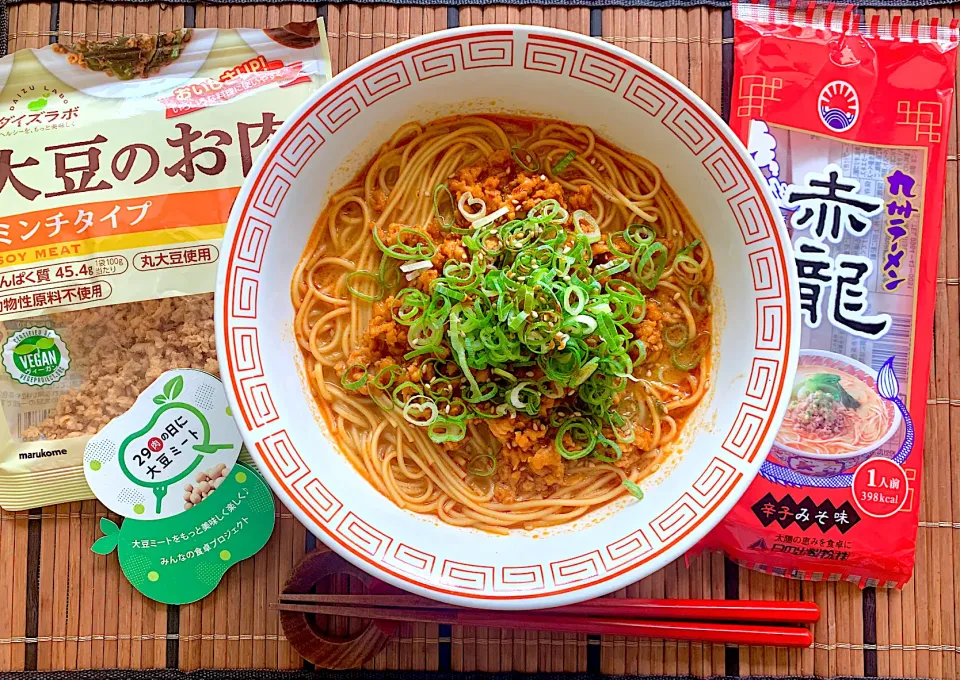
[62,607]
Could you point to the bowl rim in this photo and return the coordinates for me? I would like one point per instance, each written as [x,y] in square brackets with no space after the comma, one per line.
[895,423]
[617,577]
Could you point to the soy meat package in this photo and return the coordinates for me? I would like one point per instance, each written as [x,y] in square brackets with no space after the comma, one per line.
[848,123]
[119,162]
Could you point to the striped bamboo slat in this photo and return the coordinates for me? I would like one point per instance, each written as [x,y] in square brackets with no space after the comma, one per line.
[62,607]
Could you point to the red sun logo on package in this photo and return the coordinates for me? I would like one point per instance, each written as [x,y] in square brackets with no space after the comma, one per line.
[839,106]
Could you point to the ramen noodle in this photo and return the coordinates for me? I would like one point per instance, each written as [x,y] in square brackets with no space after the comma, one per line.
[119,162]
[834,412]
[506,321]
[848,124]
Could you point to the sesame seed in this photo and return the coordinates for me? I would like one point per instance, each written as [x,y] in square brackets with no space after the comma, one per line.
[543,178]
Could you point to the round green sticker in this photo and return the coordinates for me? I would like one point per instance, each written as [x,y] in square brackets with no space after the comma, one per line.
[36,356]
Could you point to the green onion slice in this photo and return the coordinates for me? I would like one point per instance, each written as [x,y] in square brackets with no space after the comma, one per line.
[409,305]
[440,192]
[606,450]
[385,376]
[525,159]
[423,250]
[420,410]
[401,388]
[350,378]
[633,488]
[586,224]
[357,276]
[688,357]
[639,235]
[390,274]
[482,465]
[675,335]
[615,249]
[649,266]
[697,296]
[446,430]
[562,164]
[582,436]
[381,399]
[623,428]
[686,266]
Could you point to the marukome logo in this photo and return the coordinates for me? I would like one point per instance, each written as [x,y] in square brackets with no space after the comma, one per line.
[33,108]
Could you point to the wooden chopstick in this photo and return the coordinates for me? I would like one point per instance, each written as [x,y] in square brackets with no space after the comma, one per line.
[727,632]
[754,611]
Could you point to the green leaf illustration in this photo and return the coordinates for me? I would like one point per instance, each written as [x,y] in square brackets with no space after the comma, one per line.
[108,527]
[173,388]
[106,544]
[159,399]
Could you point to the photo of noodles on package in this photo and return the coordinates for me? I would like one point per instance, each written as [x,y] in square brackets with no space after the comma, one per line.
[857,290]
[120,160]
[848,126]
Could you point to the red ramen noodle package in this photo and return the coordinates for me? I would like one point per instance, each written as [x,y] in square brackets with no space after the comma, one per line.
[848,123]
[119,162]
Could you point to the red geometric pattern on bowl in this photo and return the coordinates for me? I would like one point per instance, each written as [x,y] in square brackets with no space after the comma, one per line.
[814,465]
[652,95]
[447,59]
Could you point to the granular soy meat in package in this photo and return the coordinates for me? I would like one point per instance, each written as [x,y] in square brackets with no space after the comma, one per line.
[119,163]
[848,125]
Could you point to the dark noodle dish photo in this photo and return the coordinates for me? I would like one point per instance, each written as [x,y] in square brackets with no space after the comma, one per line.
[128,56]
[505,322]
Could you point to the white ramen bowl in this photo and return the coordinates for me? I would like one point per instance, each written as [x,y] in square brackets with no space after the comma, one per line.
[827,464]
[531,71]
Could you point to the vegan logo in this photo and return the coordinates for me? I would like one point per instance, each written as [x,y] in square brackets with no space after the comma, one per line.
[36,356]
[839,106]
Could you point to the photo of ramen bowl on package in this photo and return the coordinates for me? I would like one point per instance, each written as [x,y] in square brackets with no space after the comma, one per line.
[837,417]
[119,162]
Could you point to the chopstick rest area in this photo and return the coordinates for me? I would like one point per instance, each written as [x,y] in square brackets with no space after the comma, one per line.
[382,607]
